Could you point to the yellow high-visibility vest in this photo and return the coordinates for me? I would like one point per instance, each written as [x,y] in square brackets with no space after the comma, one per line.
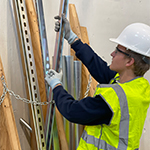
[129,102]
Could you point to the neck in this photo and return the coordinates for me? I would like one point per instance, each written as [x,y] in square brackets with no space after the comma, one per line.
[126,76]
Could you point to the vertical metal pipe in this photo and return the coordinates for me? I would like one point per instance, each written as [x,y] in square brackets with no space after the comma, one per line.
[77,79]
[56,66]
[70,74]
[77,94]
[64,81]
[43,39]
[64,70]
[70,83]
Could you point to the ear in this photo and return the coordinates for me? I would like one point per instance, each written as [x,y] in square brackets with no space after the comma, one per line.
[130,62]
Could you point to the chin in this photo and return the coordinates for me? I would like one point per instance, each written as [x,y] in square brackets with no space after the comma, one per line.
[111,68]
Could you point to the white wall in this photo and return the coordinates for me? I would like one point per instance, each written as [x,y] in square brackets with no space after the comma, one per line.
[103,19]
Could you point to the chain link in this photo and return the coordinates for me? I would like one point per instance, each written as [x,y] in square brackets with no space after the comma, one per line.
[88,86]
[5,90]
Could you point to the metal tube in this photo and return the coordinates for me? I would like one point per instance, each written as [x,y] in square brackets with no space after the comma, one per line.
[43,40]
[64,81]
[72,83]
[22,121]
[70,74]
[56,66]
[77,79]
[64,69]
[68,84]
[77,94]
[70,89]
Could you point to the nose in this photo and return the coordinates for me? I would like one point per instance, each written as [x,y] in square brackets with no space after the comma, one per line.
[113,54]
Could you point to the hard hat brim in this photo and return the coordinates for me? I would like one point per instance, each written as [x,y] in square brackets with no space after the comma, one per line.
[115,40]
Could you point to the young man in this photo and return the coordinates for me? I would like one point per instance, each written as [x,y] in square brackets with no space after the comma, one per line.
[115,116]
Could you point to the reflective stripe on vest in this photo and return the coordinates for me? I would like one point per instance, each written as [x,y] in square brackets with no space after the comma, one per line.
[92,140]
[123,127]
[95,141]
[124,123]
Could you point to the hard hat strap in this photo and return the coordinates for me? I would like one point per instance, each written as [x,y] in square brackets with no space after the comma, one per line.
[146,60]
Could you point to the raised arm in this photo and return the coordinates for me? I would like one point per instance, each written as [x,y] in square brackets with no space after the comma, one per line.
[97,67]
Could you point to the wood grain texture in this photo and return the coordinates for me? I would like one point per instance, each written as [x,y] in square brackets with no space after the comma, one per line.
[85,72]
[4,140]
[34,30]
[81,32]
[61,132]
[9,138]
[74,24]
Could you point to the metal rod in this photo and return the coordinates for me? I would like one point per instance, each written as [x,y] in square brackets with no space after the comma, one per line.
[70,89]
[77,94]
[43,40]
[70,74]
[68,83]
[22,121]
[64,69]
[56,66]
[77,79]
[25,126]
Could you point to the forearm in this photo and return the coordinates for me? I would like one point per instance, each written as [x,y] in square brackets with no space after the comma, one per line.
[88,111]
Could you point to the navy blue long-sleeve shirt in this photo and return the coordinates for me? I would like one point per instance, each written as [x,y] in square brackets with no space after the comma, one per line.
[90,110]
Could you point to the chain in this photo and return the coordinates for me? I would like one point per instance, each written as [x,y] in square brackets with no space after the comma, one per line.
[88,86]
[5,90]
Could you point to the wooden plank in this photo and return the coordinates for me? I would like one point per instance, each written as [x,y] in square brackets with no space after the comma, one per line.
[74,24]
[84,35]
[9,138]
[61,132]
[85,72]
[34,30]
[81,32]
[4,142]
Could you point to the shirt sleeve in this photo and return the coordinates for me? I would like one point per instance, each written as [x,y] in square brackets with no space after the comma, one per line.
[87,111]
[97,66]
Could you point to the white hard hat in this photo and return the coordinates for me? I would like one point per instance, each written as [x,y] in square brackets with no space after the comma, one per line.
[135,37]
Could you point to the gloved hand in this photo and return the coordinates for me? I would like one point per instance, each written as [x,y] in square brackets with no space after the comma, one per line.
[53,78]
[70,36]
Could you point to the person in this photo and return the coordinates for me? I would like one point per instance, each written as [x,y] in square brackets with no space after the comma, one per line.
[114,117]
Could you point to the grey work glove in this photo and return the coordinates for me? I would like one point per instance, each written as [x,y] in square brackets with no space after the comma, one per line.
[70,36]
[53,78]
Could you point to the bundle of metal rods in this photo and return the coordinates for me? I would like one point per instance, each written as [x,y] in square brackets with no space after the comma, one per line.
[72,83]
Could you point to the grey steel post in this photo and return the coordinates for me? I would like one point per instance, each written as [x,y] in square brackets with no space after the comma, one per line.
[77,93]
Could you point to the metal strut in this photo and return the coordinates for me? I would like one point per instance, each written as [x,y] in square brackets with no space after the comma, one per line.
[43,40]
[30,72]
[56,66]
